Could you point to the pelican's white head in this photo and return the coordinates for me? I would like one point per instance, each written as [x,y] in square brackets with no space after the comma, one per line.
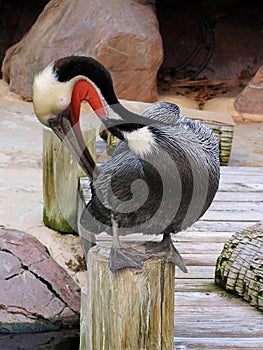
[50,96]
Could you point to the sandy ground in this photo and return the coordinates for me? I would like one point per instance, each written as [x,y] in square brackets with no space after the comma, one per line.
[21,174]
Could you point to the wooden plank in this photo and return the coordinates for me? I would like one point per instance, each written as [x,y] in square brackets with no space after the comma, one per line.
[196,272]
[233,343]
[240,317]
[214,300]
[219,327]
[240,187]
[201,237]
[241,170]
[250,178]
[238,196]
[206,318]
[194,285]
[203,248]
[227,206]
[217,226]
[199,259]
[233,215]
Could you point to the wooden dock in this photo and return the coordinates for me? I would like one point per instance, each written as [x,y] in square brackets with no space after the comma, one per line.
[205,316]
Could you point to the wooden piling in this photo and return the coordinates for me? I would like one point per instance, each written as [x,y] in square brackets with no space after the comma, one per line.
[128,309]
[60,181]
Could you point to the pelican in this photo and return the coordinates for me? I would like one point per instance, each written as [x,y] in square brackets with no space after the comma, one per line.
[162,176]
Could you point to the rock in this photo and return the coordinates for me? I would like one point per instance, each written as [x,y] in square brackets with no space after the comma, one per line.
[123,35]
[181,101]
[222,105]
[250,100]
[226,105]
[134,106]
[36,294]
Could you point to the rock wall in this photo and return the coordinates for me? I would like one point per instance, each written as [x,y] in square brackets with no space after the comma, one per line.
[121,34]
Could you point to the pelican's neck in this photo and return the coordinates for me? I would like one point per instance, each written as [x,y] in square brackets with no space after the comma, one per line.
[125,124]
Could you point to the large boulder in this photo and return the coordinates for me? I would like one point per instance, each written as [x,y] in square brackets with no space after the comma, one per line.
[250,100]
[36,294]
[123,35]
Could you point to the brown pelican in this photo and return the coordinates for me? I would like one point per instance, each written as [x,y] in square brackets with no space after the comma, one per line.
[162,176]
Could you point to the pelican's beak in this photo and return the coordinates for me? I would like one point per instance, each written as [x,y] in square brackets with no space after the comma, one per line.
[69,132]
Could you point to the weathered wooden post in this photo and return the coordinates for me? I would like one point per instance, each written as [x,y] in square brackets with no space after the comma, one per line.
[60,180]
[128,309]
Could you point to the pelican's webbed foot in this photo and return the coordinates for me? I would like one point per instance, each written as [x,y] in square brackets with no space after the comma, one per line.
[166,250]
[123,257]
[126,257]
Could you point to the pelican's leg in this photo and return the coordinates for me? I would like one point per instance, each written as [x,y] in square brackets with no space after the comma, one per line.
[115,234]
[123,257]
[166,250]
